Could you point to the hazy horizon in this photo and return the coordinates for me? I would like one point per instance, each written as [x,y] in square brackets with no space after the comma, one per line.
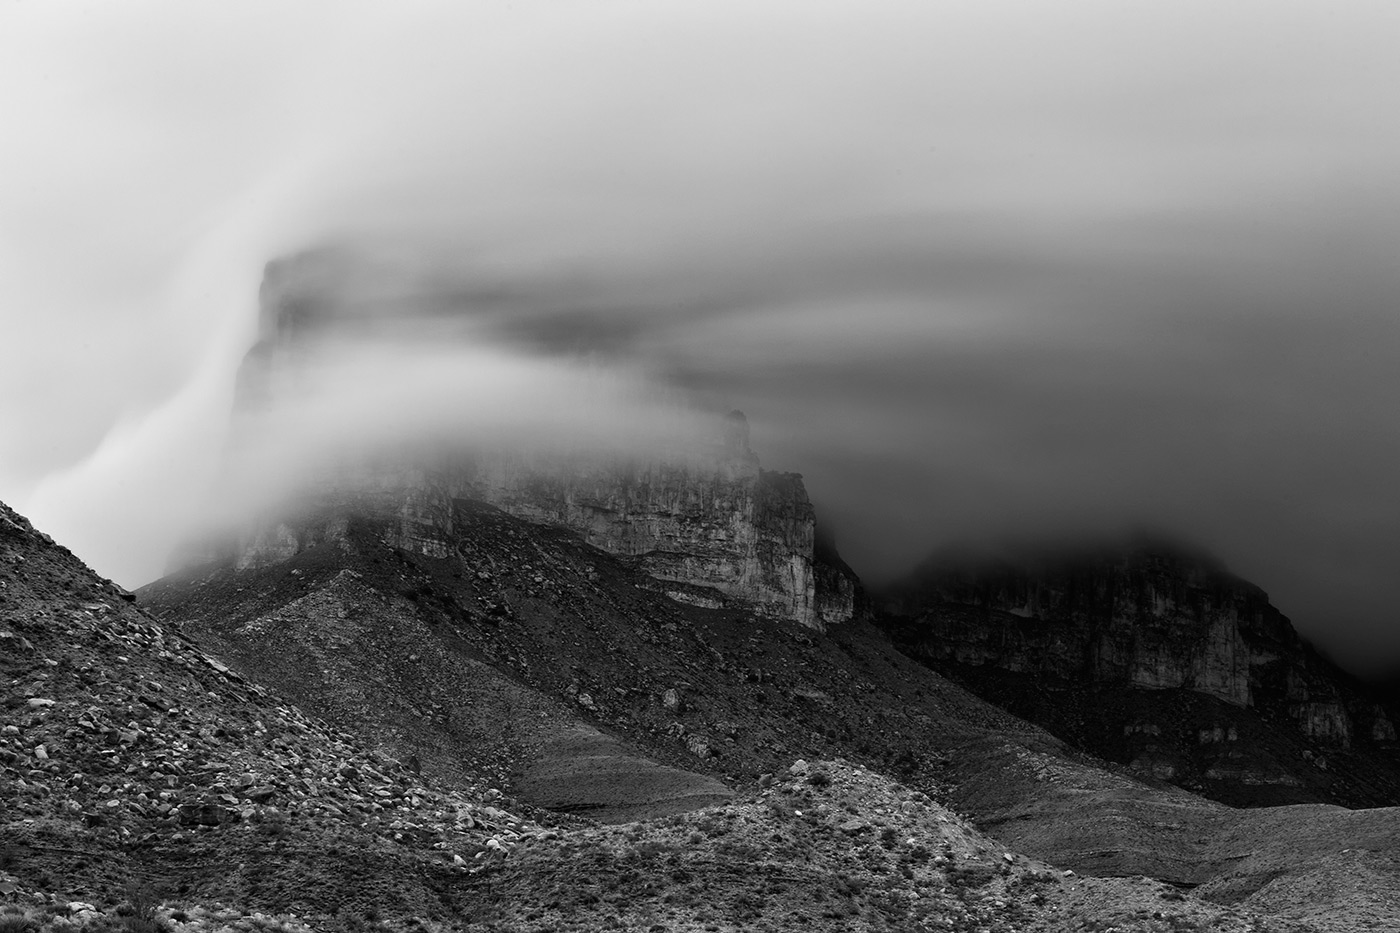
[977,271]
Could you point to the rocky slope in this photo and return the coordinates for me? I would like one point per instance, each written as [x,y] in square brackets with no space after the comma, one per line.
[149,787]
[524,624]
[701,513]
[724,694]
[1155,657]
[131,759]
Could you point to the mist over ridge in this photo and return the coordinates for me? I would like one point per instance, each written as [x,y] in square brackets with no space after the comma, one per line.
[975,272]
[867,412]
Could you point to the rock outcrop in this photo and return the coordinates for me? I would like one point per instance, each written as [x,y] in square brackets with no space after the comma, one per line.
[1181,670]
[703,514]
[719,522]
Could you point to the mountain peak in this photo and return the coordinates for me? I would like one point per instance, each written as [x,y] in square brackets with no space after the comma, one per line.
[694,509]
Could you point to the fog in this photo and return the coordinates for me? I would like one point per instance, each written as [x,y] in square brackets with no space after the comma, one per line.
[412,381]
[975,269]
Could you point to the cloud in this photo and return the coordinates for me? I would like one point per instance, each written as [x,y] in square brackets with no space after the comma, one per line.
[405,392]
[973,268]
[131,500]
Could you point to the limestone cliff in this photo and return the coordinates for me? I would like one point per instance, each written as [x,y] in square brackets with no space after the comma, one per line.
[1155,656]
[705,516]
[720,522]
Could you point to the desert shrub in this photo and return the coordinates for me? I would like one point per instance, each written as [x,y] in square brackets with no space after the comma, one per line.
[738,851]
[141,913]
[653,849]
[781,810]
[971,874]
[747,905]
[274,827]
[347,921]
[848,886]
[713,828]
[18,920]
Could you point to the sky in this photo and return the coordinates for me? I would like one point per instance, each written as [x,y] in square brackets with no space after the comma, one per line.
[975,269]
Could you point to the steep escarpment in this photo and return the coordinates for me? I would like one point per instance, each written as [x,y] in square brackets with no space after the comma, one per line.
[567,628]
[1157,657]
[698,511]
[719,522]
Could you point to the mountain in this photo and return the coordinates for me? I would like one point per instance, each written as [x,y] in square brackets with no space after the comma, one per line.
[1154,656]
[696,510]
[724,694]
[575,687]
[149,786]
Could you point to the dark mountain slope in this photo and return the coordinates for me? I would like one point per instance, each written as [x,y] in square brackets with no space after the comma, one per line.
[380,645]
[725,694]
[129,756]
[1157,658]
[488,657]
[137,769]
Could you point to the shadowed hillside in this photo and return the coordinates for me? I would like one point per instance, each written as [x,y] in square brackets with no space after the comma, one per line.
[735,698]
[1155,657]
[149,787]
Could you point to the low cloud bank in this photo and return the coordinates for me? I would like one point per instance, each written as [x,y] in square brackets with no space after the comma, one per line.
[975,269]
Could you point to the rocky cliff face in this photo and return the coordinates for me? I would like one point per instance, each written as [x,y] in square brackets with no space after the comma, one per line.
[705,517]
[721,522]
[1232,695]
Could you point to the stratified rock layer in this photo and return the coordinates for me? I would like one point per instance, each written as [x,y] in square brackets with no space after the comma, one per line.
[1158,658]
[720,522]
[722,528]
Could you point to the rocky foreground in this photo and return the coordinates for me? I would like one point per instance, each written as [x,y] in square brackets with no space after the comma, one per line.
[526,630]
[147,786]
[146,783]
[133,761]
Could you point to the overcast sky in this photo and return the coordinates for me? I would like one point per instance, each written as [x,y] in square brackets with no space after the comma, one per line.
[973,268]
